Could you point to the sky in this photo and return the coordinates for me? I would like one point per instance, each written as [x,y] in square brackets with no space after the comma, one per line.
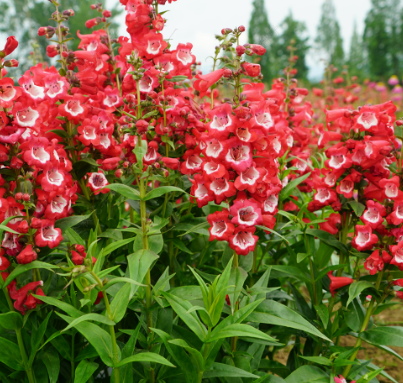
[197,21]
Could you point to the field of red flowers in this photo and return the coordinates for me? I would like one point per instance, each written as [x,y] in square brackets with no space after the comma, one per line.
[163,225]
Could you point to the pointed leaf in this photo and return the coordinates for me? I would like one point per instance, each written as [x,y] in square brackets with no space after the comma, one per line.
[161,191]
[125,191]
[84,371]
[146,357]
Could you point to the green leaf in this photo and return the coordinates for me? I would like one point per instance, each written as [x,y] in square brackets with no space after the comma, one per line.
[301,257]
[98,338]
[120,303]
[74,237]
[90,317]
[84,371]
[194,354]
[180,245]
[65,223]
[369,376]
[140,151]
[323,313]
[220,370]
[6,228]
[146,357]
[67,308]
[308,374]
[384,335]
[10,354]
[23,268]
[357,207]
[115,245]
[36,338]
[318,360]
[177,78]
[286,192]
[52,362]
[272,312]
[239,330]
[121,280]
[181,308]
[125,190]
[293,272]
[328,239]
[139,263]
[161,191]
[273,232]
[356,288]
[11,320]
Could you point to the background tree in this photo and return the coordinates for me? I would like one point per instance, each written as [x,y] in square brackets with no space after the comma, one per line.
[296,31]
[22,18]
[377,40]
[329,42]
[261,32]
[356,58]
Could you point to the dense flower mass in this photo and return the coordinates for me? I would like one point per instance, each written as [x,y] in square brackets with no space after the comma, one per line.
[121,156]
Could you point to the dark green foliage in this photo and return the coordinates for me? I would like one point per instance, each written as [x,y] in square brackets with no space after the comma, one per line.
[261,32]
[328,41]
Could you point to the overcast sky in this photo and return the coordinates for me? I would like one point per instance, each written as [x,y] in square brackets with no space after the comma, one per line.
[197,21]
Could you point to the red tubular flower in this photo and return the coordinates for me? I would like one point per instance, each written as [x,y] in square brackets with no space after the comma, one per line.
[239,154]
[222,122]
[27,255]
[243,241]
[374,263]
[205,81]
[391,188]
[200,191]
[97,182]
[10,46]
[221,227]
[364,239]
[4,262]
[338,282]
[246,213]
[374,214]
[332,224]
[396,217]
[48,235]
[221,187]
[346,187]
[397,251]
[23,298]
[252,70]
[171,163]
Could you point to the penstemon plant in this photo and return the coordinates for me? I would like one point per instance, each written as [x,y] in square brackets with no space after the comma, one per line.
[155,231]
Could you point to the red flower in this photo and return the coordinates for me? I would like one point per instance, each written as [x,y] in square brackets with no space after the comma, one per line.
[97,182]
[338,282]
[374,214]
[10,46]
[374,263]
[243,241]
[332,224]
[252,70]
[23,298]
[48,235]
[27,255]
[205,81]
[221,227]
[4,262]
[397,252]
[246,213]
[364,239]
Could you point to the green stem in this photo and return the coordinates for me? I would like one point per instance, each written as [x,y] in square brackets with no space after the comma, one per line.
[72,357]
[364,325]
[143,213]
[20,341]
[111,329]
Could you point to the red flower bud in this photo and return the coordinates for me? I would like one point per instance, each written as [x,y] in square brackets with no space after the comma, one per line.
[171,163]
[10,47]
[28,255]
[18,196]
[118,173]
[240,50]
[141,126]
[11,63]
[106,13]
[26,197]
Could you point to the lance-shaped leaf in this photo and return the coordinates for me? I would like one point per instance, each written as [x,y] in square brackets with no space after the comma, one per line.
[181,307]
[90,317]
[272,312]
[146,357]
[239,330]
[161,191]
[125,190]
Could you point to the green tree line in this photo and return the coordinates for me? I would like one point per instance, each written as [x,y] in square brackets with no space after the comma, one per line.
[376,53]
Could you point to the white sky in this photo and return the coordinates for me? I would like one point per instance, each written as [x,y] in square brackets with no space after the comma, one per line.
[197,21]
